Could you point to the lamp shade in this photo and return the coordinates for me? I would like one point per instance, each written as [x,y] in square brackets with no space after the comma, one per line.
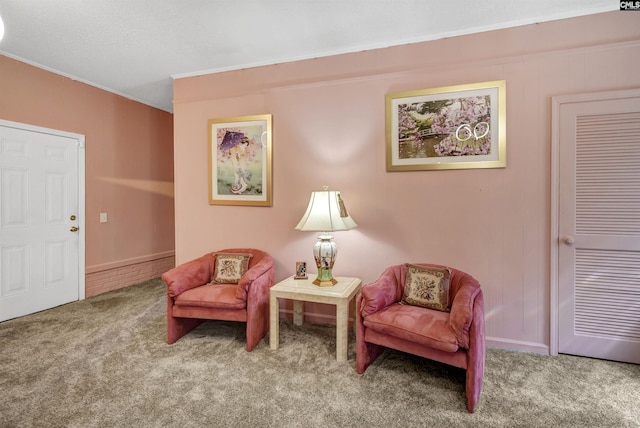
[326,213]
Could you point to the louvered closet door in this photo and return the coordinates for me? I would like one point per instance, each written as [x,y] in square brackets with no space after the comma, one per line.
[599,227]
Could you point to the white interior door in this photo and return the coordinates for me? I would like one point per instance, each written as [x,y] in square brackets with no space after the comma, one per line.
[598,234]
[40,219]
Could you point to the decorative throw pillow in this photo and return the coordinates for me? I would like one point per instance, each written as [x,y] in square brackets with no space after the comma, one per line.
[427,287]
[230,267]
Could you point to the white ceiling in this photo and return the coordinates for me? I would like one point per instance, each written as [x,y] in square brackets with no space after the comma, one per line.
[136,48]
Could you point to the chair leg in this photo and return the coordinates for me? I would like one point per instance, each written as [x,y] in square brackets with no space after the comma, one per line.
[178,327]
[473,388]
[256,330]
[258,311]
[475,355]
[366,353]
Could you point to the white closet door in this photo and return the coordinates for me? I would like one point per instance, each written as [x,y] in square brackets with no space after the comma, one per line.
[599,228]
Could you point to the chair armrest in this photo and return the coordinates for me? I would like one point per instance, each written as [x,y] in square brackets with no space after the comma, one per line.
[252,274]
[461,314]
[381,293]
[188,275]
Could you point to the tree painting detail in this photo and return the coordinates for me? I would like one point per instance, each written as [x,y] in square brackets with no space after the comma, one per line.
[450,127]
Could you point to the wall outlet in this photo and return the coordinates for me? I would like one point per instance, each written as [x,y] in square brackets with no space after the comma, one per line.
[103,217]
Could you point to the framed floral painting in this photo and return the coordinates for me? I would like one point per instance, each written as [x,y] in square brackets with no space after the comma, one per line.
[240,161]
[452,127]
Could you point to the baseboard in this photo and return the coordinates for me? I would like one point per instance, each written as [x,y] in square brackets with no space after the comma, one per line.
[517,345]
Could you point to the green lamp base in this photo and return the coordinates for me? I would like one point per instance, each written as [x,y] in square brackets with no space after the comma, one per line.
[325,278]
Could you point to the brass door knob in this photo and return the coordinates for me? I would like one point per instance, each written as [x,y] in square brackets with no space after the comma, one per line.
[73,229]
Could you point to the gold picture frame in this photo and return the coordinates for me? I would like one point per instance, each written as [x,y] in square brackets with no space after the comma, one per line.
[451,127]
[240,161]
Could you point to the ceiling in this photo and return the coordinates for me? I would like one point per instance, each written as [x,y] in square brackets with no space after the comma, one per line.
[136,48]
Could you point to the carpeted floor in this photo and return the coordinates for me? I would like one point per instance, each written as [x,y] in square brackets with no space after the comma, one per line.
[103,362]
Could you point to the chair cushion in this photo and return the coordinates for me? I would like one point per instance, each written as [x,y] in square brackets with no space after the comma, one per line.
[229,267]
[416,324]
[212,296]
[427,287]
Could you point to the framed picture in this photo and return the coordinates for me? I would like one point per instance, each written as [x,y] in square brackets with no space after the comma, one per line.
[453,127]
[240,161]
[301,270]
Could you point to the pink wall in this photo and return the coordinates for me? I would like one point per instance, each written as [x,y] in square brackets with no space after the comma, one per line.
[329,128]
[129,160]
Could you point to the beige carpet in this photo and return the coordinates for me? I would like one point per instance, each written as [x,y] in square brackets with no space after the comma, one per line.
[103,362]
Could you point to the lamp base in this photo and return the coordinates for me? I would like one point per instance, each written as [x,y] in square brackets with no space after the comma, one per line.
[328,283]
[325,278]
[324,252]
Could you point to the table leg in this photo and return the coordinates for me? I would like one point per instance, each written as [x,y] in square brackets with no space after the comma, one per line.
[342,331]
[274,318]
[298,312]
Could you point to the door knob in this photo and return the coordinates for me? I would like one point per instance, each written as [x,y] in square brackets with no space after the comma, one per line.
[73,229]
[568,240]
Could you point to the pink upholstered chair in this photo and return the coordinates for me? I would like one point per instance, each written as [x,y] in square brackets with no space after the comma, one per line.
[455,337]
[191,298]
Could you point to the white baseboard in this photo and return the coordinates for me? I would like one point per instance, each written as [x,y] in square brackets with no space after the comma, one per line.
[517,345]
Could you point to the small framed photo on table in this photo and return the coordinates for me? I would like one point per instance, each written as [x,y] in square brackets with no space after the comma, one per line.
[301,270]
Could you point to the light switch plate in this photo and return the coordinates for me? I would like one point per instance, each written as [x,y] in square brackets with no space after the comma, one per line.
[103,217]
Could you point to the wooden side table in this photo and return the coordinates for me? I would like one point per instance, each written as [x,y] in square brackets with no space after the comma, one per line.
[303,290]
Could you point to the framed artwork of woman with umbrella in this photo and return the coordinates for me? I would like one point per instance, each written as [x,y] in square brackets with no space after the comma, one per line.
[240,161]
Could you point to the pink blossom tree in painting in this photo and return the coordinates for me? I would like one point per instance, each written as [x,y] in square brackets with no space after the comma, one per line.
[451,127]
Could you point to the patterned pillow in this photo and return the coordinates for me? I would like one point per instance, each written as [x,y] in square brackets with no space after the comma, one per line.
[230,267]
[427,287]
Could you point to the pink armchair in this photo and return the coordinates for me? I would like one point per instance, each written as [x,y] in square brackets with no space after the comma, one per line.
[455,337]
[191,300]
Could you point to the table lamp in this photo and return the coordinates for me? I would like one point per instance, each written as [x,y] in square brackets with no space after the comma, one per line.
[326,213]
